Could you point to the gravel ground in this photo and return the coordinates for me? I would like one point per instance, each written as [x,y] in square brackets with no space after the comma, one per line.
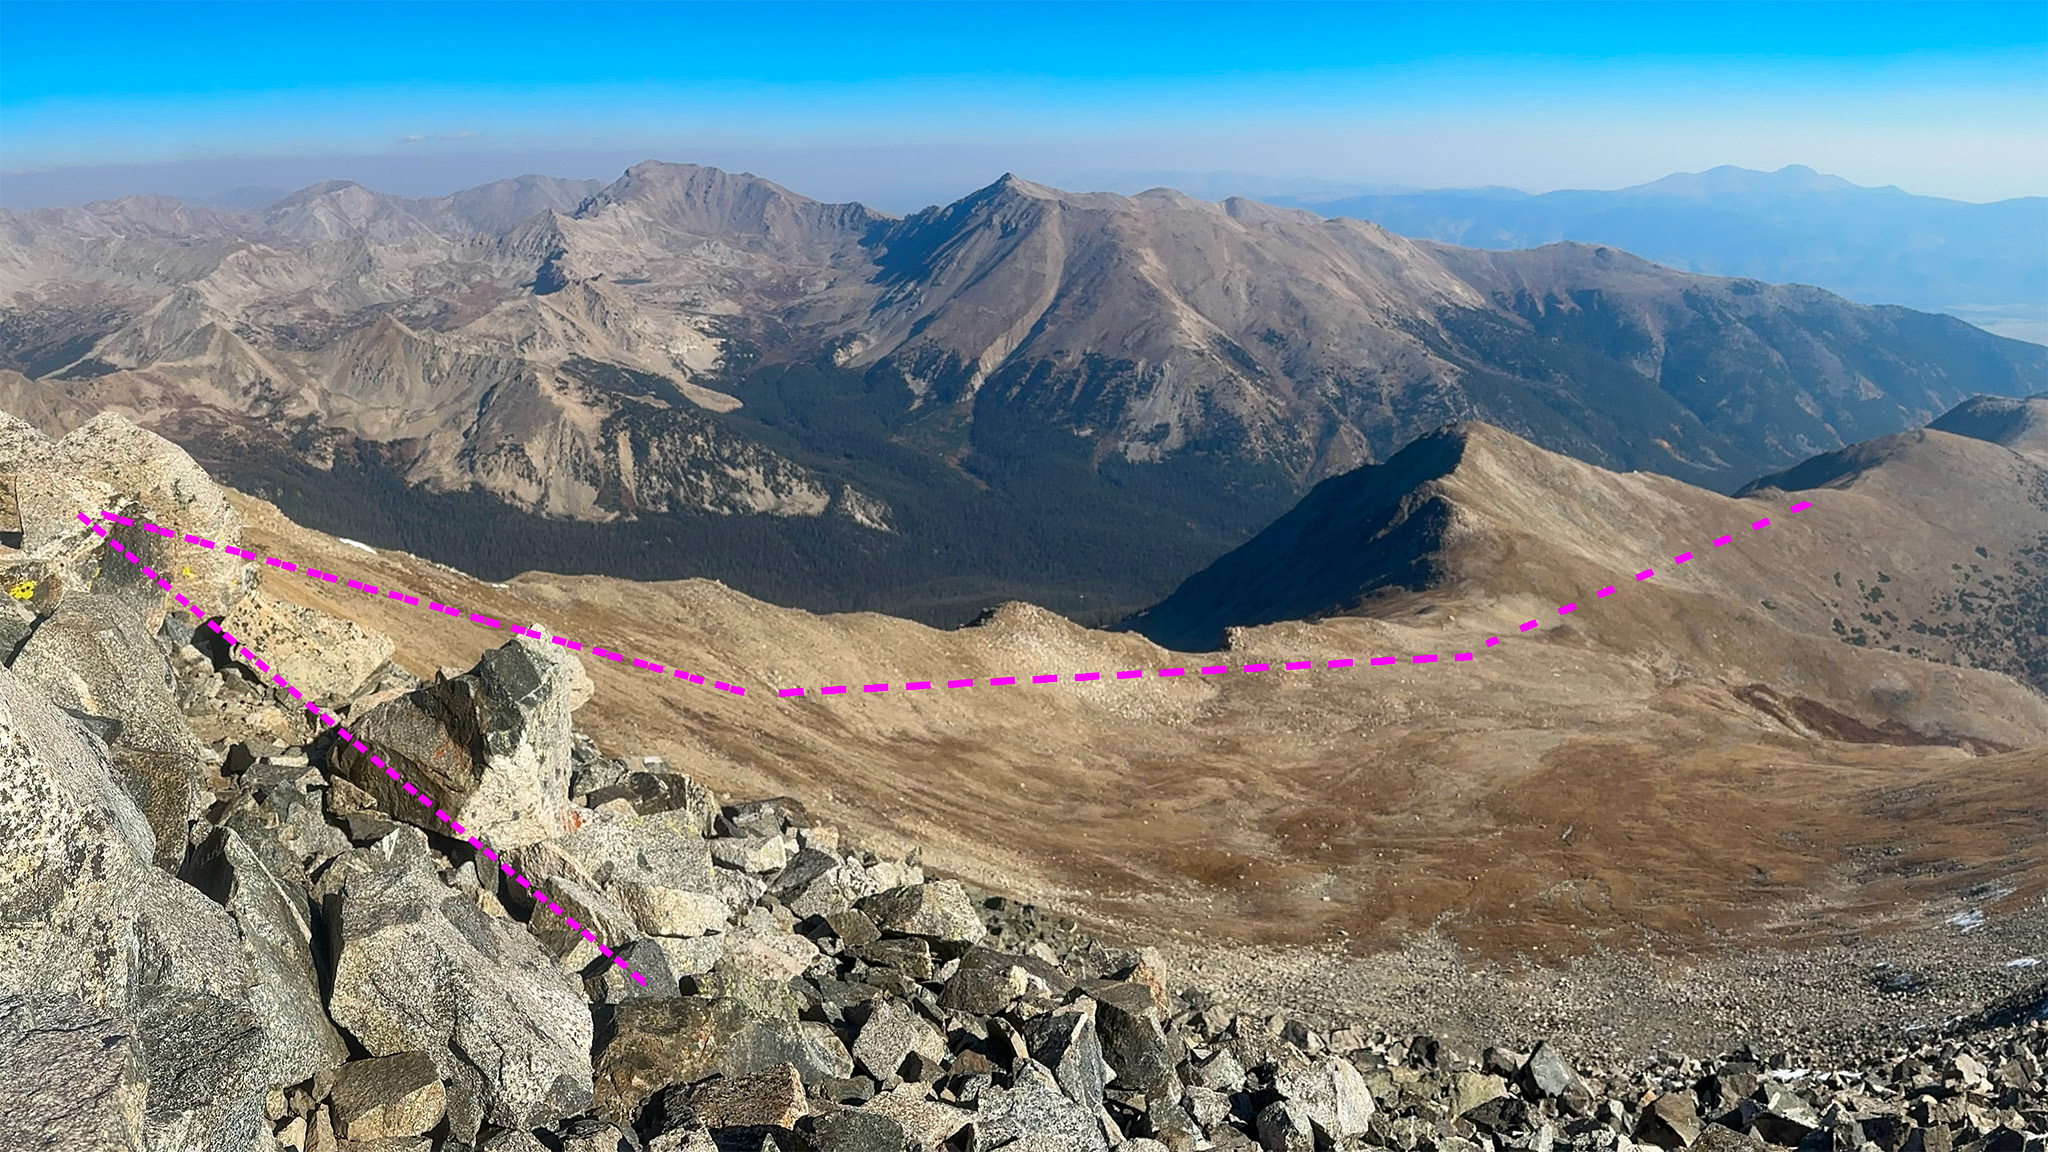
[1818,1004]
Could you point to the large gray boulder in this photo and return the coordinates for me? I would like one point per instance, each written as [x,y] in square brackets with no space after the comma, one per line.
[418,967]
[1033,1115]
[78,852]
[90,926]
[1333,1096]
[1135,1041]
[939,911]
[96,656]
[491,746]
[1065,1042]
[206,1046]
[275,918]
[891,1034]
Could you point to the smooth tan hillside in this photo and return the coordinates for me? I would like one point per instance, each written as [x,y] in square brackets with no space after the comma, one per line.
[1680,765]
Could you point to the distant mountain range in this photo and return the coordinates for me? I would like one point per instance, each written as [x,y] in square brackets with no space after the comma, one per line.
[1987,263]
[1074,398]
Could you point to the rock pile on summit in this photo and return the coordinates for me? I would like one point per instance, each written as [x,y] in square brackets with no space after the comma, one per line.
[214,934]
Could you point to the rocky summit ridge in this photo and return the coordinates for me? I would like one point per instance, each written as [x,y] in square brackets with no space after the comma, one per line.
[729,373]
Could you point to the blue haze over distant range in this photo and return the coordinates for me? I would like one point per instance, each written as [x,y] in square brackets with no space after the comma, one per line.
[1985,263]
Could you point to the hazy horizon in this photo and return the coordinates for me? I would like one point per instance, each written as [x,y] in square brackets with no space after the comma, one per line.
[242,183]
[900,106]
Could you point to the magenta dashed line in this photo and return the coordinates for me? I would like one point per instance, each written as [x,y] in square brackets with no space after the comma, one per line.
[929,685]
[355,585]
[1563,610]
[354,741]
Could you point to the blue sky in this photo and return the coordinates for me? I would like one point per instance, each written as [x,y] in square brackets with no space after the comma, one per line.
[906,101]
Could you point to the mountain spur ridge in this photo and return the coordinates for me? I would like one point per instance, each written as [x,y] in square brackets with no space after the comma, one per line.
[1329,664]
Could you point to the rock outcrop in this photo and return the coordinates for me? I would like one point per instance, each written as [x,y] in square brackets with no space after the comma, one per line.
[492,744]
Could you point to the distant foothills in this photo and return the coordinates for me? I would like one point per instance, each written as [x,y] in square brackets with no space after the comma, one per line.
[1077,399]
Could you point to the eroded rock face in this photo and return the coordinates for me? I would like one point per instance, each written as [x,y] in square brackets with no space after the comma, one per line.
[95,656]
[71,1077]
[491,745]
[419,967]
[110,458]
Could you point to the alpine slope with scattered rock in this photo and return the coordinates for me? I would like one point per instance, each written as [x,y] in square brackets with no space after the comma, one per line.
[219,932]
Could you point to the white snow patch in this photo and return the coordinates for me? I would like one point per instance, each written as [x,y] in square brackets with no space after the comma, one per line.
[1966,920]
[2023,962]
[357,544]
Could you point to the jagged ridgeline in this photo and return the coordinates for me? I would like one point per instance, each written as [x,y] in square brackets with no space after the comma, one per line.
[225,931]
[1072,398]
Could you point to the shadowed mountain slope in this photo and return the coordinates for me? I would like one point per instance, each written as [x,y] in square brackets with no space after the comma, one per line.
[1944,539]
[2021,425]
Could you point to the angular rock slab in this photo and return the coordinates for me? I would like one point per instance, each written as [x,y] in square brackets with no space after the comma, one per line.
[419,967]
[770,1098]
[651,1045]
[491,746]
[277,937]
[890,1034]
[1139,1049]
[388,1097]
[1033,1115]
[1065,1042]
[71,1077]
[1333,1096]
[95,655]
[84,916]
[940,911]
[929,1123]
